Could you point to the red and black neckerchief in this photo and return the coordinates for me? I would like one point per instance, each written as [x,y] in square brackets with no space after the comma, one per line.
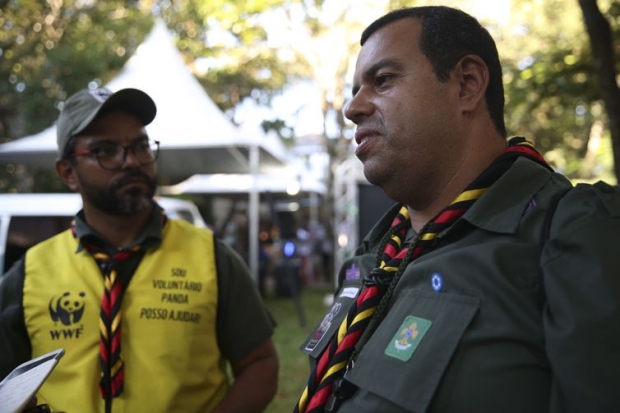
[111,359]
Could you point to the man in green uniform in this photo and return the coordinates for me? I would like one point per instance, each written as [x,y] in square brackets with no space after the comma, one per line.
[492,285]
[150,311]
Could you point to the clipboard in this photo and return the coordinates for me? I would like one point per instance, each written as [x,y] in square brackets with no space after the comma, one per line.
[18,388]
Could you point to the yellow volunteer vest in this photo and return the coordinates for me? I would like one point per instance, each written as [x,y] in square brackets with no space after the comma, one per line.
[172,360]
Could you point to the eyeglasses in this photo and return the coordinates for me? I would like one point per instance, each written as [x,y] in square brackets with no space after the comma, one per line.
[112,156]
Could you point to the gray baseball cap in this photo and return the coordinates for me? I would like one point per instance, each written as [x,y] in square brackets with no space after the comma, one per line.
[84,106]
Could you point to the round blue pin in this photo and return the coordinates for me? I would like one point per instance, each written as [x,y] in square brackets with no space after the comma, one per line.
[437,282]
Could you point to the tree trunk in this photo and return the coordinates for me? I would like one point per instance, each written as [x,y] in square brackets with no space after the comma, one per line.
[599,31]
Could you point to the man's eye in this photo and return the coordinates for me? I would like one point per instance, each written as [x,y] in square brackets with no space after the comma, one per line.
[142,146]
[106,150]
[380,80]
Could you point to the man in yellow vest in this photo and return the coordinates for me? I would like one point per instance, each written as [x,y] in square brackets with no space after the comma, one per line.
[150,311]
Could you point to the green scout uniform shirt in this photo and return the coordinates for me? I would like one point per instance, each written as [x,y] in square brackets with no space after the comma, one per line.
[469,329]
[243,322]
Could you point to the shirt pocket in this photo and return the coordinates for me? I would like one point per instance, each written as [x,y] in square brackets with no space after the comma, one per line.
[404,362]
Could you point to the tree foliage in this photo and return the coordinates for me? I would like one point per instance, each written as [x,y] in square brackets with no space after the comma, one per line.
[599,31]
[553,96]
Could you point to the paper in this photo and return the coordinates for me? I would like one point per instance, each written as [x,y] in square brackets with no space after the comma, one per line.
[18,388]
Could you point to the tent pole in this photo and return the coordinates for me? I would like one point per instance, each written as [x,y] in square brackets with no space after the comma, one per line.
[314,209]
[253,213]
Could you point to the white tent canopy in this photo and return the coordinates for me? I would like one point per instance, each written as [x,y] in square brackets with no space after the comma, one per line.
[244,183]
[195,136]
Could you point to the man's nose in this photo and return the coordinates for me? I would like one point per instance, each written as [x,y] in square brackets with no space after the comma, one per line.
[358,107]
[129,157]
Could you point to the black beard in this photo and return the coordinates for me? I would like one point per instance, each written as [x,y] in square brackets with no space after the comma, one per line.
[126,205]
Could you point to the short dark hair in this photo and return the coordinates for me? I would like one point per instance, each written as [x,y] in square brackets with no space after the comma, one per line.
[447,35]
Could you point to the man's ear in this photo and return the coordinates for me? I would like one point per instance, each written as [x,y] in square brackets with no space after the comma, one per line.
[473,76]
[66,171]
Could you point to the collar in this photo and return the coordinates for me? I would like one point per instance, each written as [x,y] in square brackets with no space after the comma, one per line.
[150,237]
[499,210]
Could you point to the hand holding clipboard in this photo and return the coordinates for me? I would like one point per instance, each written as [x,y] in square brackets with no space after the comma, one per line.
[21,385]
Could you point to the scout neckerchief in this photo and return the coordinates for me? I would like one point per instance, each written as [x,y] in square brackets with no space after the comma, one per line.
[393,258]
[110,357]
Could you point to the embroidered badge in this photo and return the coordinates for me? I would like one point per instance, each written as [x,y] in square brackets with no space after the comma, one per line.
[407,338]
[353,273]
[437,282]
[318,335]
[350,292]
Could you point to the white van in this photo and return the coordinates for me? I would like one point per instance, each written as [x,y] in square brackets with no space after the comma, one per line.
[27,219]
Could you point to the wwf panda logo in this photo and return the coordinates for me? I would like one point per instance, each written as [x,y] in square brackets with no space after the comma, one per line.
[67,307]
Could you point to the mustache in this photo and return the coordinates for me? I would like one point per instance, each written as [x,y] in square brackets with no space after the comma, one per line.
[372,124]
[131,176]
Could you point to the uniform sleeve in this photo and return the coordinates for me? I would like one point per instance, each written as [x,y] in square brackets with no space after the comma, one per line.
[243,321]
[582,312]
[14,343]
